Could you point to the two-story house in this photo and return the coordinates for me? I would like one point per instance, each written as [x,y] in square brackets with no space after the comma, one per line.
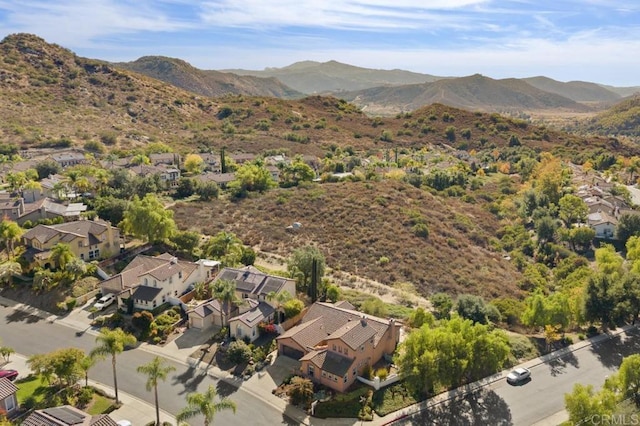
[11,207]
[334,343]
[87,239]
[253,287]
[151,281]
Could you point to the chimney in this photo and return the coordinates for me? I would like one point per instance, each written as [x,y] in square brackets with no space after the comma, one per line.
[363,321]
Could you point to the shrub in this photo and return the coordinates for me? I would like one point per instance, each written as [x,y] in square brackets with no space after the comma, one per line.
[382,373]
[85,396]
[238,352]
[300,391]
[142,321]
[292,307]
[420,230]
[367,373]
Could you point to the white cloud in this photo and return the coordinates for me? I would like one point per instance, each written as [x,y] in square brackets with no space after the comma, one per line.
[76,22]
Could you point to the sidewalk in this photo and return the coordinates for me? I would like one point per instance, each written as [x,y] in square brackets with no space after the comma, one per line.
[137,411]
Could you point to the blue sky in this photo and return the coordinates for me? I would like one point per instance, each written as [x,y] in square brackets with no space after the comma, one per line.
[590,40]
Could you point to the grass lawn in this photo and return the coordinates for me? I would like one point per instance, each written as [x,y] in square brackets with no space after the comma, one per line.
[99,405]
[393,398]
[32,386]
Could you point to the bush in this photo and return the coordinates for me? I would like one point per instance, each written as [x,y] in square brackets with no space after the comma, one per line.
[238,352]
[367,372]
[142,321]
[382,373]
[85,396]
[300,391]
[292,307]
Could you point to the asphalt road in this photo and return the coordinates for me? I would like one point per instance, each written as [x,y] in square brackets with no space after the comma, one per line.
[29,335]
[539,398]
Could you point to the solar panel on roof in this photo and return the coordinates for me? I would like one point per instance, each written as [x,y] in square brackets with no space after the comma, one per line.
[66,415]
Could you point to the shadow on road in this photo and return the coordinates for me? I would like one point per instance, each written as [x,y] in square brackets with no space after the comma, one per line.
[481,408]
[190,379]
[225,389]
[613,350]
[22,316]
[558,365]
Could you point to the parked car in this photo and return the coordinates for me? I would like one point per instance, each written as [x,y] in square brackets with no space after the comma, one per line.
[519,375]
[105,301]
[9,374]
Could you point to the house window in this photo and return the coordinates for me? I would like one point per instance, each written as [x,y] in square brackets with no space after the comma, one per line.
[245,295]
[345,379]
[354,372]
[311,370]
[10,404]
[334,348]
[154,303]
[324,374]
[146,281]
[163,299]
[346,351]
[362,348]
[340,349]
[82,256]
[79,243]
[175,292]
[253,332]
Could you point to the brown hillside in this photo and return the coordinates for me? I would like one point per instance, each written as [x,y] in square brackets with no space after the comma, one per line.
[358,224]
[207,83]
[47,93]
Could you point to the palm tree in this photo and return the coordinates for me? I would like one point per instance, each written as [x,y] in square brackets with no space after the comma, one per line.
[61,254]
[204,404]
[225,292]
[8,270]
[279,299]
[112,342]
[155,371]
[85,365]
[10,232]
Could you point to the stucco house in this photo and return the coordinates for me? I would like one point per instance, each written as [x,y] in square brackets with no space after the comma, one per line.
[66,415]
[151,281]
[11,207]
[334,343]
[246,324]
[87,239]
[603,224]
[69,159]
[8,399]
[253,287]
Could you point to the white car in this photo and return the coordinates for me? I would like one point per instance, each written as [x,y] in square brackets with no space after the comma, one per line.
[105,301]
[518,375]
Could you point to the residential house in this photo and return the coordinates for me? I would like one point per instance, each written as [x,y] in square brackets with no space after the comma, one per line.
[222,179]
[46,208]
[151,281]
[8,400]
[53,186]
[11,207]
[168,158]
[241,158]
[169,176]
[253,287]
[335,343]
[66,415]
[603,224]
[245,325]
[211,161]
[87,239]
[69,159]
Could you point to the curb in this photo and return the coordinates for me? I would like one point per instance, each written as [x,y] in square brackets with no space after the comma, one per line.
[471,388]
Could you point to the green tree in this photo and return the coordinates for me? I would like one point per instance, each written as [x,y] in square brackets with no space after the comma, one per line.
[333,293]
[186,241]
[204,404]
[580,237]
[300,391]
[86,364]
[442,305]
[47,168]
[419,317]
[599,299]
[584,404]
[148,219]
[296,172]
[10,233]
[140,160]
[546,228]
[251,177]
[472,307]
[8,270]
[207,191]
[300,266]
[572,210]
[63,365]
[279,299]
[155,371]
[292,307]
[628,226]
[194,164]
[111,208]
[629,377]
[111,343]
[61,254]
[225,292]
[225,247]
[186,187]
[16,180]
